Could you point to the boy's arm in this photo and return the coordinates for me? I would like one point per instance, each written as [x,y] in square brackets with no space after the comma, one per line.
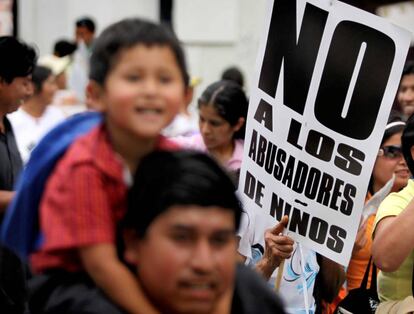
[5,199]
[114,278]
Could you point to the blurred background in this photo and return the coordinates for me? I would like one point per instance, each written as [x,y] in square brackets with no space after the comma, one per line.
[216,33]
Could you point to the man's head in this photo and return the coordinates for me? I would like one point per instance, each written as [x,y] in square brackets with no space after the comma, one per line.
[85,30]
[17,61]
[63,48]
[180,231]
[405,95]
[44,84]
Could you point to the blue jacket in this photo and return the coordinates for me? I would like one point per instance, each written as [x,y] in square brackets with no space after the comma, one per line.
[20,228]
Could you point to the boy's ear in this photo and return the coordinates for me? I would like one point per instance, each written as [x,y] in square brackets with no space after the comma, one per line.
[94,93]
[131,241]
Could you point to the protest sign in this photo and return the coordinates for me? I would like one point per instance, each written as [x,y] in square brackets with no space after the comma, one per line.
[325,81]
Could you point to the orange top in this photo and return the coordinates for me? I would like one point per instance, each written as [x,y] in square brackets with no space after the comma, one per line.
[359,260]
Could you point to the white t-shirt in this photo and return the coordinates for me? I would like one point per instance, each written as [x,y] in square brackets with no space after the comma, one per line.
[29,130]
[291,290]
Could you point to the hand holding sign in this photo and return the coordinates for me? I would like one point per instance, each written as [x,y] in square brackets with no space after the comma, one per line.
[278,247]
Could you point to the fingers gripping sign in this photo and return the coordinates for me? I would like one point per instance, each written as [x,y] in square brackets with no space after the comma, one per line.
[278,247]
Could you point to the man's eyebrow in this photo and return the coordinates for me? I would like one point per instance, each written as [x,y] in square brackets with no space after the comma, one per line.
[184,227]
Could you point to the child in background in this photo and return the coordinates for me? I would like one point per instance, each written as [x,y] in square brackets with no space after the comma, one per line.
[138,81]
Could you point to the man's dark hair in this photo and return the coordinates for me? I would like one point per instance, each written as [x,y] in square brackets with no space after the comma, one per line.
[39,75]
[17,59]
[164,179]
[233,74]
[86,22]
[230,102]
[126,34]
[63,48]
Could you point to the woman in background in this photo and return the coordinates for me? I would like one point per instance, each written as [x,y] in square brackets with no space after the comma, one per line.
[222,116]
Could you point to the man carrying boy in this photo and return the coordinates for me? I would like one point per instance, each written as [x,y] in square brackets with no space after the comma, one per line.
[138,81]
[17,61]
[179,233]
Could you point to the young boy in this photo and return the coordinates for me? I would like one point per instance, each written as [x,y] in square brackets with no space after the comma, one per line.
[138,81]
[179,233]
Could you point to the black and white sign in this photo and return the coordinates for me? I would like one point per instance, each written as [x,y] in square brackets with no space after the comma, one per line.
[326,78]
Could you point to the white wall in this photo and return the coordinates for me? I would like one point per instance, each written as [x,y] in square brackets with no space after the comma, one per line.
[401,14]
[218,34]
[215,33]
[44,21]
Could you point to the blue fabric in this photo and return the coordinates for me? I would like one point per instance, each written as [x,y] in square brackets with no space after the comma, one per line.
[20,228]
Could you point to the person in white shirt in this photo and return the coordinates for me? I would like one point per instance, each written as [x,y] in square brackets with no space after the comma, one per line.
[35,117]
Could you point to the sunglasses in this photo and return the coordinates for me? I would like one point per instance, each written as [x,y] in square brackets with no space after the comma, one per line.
[390,151]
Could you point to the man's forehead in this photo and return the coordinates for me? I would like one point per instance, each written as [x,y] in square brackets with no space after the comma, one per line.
[190,216]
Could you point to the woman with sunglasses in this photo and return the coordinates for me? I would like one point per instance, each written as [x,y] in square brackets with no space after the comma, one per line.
[389,162]
[393,239]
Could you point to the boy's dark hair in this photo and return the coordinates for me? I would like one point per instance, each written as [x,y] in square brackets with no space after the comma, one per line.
[164,179]
[126,34]
[39,75]
[233,74]
[407,141]
[230,101]
[86,22]
[63,48]
[17,59]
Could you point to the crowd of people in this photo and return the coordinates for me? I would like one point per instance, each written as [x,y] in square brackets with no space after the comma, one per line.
[114,210]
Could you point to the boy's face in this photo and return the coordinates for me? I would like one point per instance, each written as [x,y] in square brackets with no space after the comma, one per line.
[143,91]
[186,260]
[14,94]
